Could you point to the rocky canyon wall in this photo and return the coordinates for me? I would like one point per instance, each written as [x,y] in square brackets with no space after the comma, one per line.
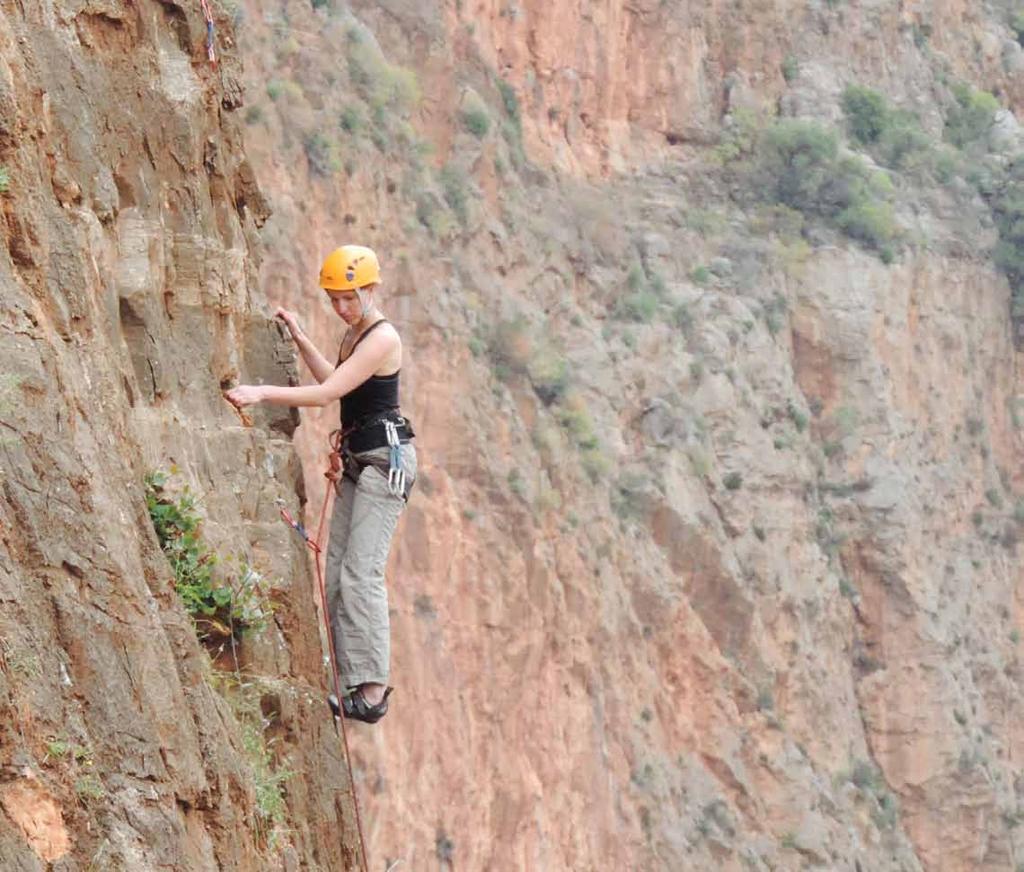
[127,299]
[713,559]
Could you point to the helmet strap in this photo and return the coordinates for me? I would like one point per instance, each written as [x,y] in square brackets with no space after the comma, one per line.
[365,302]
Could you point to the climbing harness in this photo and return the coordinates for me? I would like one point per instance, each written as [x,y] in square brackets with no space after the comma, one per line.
[390,431]
[332,474]
[211,50]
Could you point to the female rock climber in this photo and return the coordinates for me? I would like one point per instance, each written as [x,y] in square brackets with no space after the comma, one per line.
[379,464]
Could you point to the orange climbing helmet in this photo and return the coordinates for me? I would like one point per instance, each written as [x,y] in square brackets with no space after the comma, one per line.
[349,268]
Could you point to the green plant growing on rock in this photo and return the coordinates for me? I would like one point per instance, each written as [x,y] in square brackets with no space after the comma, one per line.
[379,82]
[1008,208]
[867,113]
[228,606]
[1017,25]
[790,68]
[5,180]
[89,788]
[477,122]
[970,119]
[351,119]
[800,168]
[323,154]
[455,187]
[641,307]
[893,136]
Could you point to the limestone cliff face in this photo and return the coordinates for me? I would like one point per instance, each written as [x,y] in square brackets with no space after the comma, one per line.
[126,300]
[739,587]
[713,560]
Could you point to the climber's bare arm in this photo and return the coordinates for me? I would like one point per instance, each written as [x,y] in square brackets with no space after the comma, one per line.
[364,362]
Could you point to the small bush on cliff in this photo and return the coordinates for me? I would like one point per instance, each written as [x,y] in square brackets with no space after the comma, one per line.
[380,83]
[970,119]
[1008,207]
[477,122]
[892,136]
[222,606]
[867,113]
[5,180]
[800,167]
[455,186]
[323,154]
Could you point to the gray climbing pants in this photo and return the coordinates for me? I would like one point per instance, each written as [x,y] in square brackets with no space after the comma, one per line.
[362,526]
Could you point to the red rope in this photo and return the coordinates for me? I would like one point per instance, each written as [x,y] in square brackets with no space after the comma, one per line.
[331,475]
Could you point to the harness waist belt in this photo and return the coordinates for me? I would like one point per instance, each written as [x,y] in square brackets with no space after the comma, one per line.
[373,434]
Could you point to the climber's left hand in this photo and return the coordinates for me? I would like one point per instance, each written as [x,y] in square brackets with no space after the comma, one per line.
[244,395]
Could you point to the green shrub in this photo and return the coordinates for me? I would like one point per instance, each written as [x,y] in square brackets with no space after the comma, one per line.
[700,275]
[790,68]
[1017,25]
[903,144]
[641,307]
[380,83]
[893,136]
[509,100]
[549,375]
[351,120]
[971,117]
[798,159]
[323,154]
[629,496]
[228,605]
[510,348]
[739,140]
[866,113]
[635,277]
[5,180]
[801,169]
[733,481]
[456,191]
[477,122]
[1008,208]
[869,221]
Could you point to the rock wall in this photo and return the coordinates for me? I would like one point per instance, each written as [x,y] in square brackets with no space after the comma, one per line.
[128,300]
[726,581]
[771,620]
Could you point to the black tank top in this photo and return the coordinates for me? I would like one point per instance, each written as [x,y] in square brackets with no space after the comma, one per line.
[374,397]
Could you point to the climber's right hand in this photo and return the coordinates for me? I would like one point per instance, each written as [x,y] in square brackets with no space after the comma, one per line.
[290,321]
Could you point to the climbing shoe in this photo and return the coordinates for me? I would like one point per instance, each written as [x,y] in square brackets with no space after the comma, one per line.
[356,707]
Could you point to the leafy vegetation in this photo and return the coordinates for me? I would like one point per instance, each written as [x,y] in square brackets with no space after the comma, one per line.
[892,136]
[456,191]
[477,122]
[225,606]
[323,154]
[802,169]
[380,83]
[969,121]
[5,180]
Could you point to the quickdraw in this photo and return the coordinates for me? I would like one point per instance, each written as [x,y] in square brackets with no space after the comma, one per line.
[396,474]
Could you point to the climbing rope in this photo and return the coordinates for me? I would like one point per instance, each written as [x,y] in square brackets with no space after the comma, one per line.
[332,474]
[211,49]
